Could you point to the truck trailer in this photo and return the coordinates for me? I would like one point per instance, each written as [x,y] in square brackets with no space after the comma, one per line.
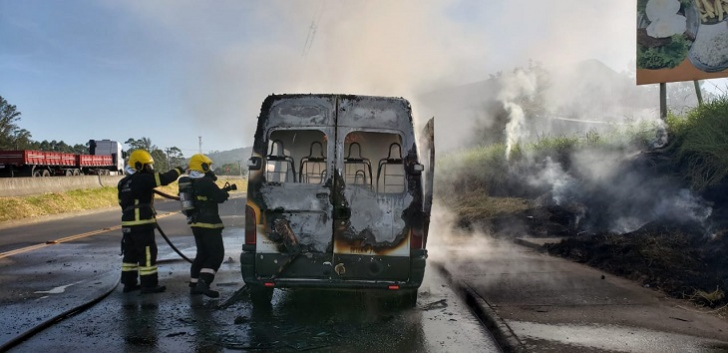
[104,158]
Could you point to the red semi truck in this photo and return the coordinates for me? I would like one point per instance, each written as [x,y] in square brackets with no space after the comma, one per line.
[104,158]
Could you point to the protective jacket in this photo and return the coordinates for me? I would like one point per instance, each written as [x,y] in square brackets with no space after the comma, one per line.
[207,197]
[136,197]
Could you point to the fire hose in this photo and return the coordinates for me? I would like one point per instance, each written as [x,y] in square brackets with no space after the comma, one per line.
[240,292]
[84,306]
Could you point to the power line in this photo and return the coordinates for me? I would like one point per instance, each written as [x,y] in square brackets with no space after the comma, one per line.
[312,28]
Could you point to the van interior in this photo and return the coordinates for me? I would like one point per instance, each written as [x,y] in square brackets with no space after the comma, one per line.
[371,160]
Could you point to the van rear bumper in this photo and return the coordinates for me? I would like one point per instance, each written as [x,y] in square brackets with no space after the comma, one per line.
[417,263]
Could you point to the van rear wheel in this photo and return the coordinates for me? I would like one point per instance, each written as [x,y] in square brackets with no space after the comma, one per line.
[260,294]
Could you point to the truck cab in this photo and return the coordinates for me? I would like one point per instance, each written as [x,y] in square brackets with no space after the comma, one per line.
[338,196]
[111,148]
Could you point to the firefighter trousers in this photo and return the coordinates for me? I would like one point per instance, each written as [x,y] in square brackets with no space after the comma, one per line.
[140,257]
[210,253]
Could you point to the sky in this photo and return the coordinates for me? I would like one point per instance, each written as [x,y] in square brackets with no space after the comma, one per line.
[177,70]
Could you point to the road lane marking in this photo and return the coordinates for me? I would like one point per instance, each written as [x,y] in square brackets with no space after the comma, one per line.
[70,238]
[57,290]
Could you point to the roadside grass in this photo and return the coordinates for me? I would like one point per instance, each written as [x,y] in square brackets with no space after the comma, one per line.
[18,208]
[698,148]
[699,143]
[477,205]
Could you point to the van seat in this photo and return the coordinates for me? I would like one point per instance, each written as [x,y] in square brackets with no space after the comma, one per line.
[356,168]
[278,154]
[312,169]
[392,167]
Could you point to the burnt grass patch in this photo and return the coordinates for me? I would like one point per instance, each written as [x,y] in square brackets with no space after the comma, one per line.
[684,260]
[665,257]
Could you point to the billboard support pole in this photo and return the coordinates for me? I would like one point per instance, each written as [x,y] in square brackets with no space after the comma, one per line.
[663,101]
[698,93]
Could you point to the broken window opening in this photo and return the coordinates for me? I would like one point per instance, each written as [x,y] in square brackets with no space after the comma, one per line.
[307,147]
[364,146]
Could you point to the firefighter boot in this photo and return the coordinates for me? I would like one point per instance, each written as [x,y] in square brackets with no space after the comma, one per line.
[130,287]
[151,290]
[129,276]
[192,287]
[203,287]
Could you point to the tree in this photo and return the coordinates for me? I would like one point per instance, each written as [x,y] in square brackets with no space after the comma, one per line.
[174,156]
[21,139]
[11,136]
[164,159]
[80,149]
[160,160]
[144,143]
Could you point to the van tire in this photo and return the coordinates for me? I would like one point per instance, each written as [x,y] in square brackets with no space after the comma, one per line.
[260,294]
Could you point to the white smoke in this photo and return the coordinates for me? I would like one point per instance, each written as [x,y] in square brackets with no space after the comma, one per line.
[235,53]
[553,176]
[516,85]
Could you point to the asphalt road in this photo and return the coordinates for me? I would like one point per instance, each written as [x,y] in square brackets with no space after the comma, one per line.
[84,263]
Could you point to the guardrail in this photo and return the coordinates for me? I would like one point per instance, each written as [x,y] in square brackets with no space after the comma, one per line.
[36,186]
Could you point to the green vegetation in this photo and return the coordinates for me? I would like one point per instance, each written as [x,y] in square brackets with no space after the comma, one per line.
[478,205]
[488,169]
[15,208]
[163,159]
[699,143]
[18,208]
[697,149]
[11,135]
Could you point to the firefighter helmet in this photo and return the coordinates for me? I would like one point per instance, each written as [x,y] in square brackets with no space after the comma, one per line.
[200,163]
[139,158]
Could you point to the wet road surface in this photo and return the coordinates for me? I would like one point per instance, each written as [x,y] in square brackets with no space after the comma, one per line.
[550,304]
[43,283]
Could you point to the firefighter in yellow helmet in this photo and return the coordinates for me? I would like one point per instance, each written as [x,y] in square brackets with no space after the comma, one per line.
[205,222]
[136,198]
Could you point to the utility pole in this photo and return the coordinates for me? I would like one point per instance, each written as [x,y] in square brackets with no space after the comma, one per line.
[199,138]
[663,101]
[697,92]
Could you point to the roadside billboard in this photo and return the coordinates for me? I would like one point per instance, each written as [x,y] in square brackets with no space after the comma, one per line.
[681,40]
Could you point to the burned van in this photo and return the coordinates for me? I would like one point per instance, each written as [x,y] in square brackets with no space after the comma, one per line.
[338,196]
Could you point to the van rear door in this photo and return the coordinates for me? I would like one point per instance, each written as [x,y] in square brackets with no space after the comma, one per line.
[295,195]
[375,200]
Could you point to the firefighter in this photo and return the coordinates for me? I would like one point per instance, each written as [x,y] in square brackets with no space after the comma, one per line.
[136,198]
[206,225]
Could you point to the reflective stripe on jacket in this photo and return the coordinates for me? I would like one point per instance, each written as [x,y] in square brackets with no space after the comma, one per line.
[136,196]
